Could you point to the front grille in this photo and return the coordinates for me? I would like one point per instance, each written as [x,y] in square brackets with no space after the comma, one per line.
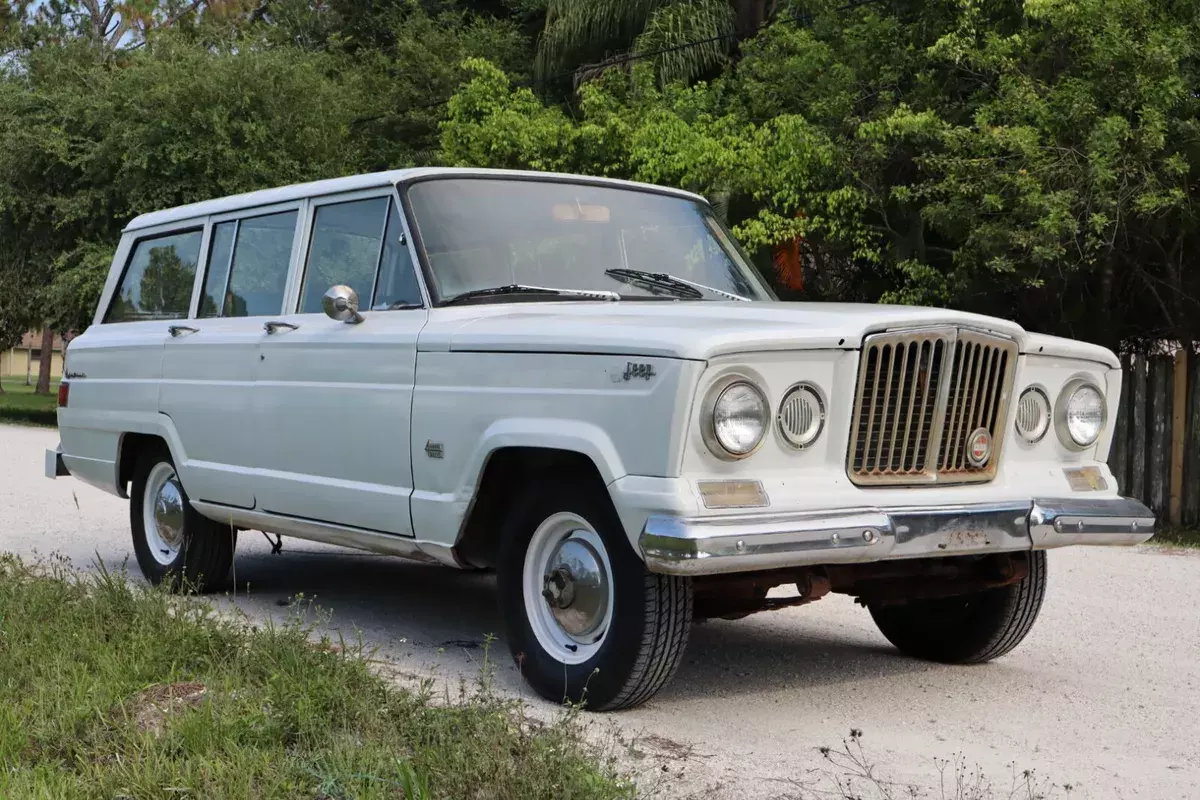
[921,395]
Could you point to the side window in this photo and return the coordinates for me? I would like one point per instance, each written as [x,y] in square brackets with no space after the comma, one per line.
[220,256]
[360,244]
[248,266]
[344,250]
[158,279]
[397,284]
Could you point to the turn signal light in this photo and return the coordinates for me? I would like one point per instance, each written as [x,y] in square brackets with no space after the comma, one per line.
[64,393]
[732,494]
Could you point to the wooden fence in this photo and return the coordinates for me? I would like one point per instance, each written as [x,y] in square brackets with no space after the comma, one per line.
[1156,442]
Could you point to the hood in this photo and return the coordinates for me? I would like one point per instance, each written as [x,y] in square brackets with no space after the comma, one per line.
[698,330]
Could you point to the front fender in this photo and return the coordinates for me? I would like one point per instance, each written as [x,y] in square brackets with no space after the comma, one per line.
[440,515]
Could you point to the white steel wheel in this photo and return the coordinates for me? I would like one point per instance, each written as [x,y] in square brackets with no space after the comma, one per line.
[163,514]
[584,619]
[568,588]
[175,545]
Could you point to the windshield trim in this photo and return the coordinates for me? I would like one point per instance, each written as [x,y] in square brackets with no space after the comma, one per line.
[414,228]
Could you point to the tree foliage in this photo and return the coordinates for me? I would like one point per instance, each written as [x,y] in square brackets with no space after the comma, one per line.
[1036,161]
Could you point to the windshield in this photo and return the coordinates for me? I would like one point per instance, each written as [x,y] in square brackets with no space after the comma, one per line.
[485,233]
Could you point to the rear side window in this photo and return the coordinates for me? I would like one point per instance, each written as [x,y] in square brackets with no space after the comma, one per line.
[158,279]
[248,266]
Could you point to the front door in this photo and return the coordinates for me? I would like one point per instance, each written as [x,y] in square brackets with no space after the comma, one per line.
[333,400]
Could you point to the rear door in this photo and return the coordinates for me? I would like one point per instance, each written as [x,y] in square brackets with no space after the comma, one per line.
[210,364]
[333,400]
[116,364]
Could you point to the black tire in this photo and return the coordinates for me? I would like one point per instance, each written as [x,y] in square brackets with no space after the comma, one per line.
[651,614]
[204,559]
[967,629]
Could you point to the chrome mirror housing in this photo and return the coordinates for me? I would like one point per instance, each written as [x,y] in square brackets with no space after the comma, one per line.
[341,303]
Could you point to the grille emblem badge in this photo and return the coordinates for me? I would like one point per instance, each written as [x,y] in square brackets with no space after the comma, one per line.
[979,447]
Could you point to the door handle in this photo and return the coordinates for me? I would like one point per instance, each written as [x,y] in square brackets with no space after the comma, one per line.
[274,326]
[180,330]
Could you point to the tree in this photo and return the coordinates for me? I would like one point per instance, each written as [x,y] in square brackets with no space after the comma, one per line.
[690,37]
[87,144]
[1037,162]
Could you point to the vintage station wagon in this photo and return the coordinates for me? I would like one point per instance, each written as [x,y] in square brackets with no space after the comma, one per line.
[584,385]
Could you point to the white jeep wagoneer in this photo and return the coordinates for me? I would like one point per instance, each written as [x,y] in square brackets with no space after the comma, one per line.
[583,384]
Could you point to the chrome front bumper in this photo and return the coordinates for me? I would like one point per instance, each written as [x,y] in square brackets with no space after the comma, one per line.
[703,546]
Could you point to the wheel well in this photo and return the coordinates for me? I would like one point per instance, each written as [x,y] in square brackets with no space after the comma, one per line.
[506,471]
[131,448]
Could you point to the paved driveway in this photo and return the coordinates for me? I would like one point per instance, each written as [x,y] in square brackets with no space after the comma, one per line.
[1104,694]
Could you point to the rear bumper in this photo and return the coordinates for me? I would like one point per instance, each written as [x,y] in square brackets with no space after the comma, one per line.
[702,546]
[55,468]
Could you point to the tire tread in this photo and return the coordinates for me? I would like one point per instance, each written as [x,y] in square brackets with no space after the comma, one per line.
[668,612]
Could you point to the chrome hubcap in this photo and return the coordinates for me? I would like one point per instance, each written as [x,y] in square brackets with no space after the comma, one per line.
[568,588]
[162,513]
[576,588]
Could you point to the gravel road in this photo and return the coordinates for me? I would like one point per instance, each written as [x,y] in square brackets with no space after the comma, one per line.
[1103,695]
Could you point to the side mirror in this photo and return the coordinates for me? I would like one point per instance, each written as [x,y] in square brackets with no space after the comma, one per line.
[341,303]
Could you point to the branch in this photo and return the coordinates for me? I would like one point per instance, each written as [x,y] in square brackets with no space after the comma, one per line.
[195,6]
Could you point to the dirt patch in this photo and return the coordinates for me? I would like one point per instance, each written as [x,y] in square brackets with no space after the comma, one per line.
[151,707]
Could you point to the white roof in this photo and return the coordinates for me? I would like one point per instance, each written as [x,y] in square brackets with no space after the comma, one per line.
[298,191]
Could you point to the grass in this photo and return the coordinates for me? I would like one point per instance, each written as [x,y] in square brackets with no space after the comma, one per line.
[19,404]
[1177,537]
[113,690]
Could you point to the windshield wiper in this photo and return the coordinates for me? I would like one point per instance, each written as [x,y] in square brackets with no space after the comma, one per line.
[680,287]
[523,288]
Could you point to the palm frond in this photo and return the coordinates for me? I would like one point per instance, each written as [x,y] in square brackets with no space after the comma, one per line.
[688,38]
[578,31]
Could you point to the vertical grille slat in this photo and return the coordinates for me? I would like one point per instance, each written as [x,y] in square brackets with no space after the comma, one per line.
[900,397]
[920,397]
[966,405]
[880,355]
[880,463]
[954,409]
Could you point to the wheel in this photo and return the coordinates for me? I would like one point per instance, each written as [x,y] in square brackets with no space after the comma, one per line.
[586,621]
[174,544]
[967,629]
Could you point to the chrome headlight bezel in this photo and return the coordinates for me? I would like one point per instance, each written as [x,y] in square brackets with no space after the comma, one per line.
[782,429]
[1061,405]
[708,419]
[1047,407]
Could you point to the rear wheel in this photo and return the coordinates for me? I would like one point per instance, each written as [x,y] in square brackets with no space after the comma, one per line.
[173,543]
[967,629]
[587,622]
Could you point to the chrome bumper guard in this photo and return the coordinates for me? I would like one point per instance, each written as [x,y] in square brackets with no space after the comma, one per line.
[55,468]
[702,546]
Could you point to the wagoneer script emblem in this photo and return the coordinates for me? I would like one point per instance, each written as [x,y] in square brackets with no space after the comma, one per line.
[632,370]
[979,447]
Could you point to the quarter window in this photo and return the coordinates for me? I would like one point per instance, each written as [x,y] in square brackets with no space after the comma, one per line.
[158,279]
[248,266]
[360,244]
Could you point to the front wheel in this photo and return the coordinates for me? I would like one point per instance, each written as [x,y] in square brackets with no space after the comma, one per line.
[966,629]
[174,544]
[587,622]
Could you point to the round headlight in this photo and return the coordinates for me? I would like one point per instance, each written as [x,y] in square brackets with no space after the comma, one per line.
[1080,415]
[801,415]
[738,419]
[1033,415]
